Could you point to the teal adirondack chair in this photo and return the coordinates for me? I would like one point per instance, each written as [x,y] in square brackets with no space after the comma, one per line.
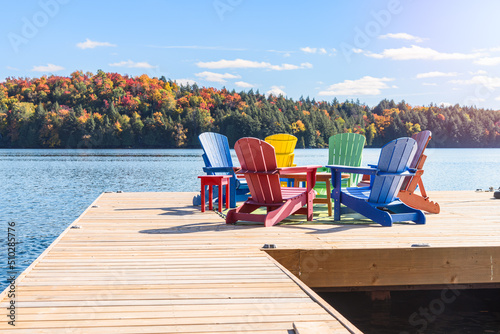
[343,149]
[217,158]
[379,201]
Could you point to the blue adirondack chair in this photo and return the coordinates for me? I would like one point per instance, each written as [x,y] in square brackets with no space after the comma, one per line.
[217,158]
[379,201]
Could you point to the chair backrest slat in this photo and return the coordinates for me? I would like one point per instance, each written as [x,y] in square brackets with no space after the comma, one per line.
[422,138]
[395,157]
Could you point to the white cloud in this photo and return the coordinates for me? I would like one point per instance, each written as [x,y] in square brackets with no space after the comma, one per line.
[445,104]
[242,63]
[12,68]
[88,44]
[237,63]
[308,50]
[429,84]
[494,49]
[488,61]
[481,80]
[365,86]
[402,35]
[243,84]
[131,64]
[497,98]
[276,91]
[195,47]
[321,51]
[185,82]
[417,52]
[284,53]
[48,68]
[216,77]
[475,99]
[285,67]
[436,74]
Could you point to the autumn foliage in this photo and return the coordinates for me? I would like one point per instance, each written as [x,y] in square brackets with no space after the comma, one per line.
[107,110]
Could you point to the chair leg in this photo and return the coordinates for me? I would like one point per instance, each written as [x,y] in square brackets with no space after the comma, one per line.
[232,190]
[310,205]
[210,197]
[202,198]
[233,214]
[329,197]
[221,198]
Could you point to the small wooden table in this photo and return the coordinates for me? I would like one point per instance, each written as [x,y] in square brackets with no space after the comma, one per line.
[320,177]
[210,181]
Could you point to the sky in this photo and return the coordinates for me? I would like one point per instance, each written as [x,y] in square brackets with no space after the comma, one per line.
[421,51]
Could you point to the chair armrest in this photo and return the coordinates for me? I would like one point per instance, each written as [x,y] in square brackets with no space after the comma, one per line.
[298,169]
[353,170]
[404,173]
[218,170]
[310,170]
[245,171]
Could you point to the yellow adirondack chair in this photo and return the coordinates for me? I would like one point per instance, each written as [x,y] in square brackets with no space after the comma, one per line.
[284,145]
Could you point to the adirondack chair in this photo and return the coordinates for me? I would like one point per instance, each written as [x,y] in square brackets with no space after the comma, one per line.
[284,145]
[379,201]
[407,192]
[343,149]
[217,158]
[258,164]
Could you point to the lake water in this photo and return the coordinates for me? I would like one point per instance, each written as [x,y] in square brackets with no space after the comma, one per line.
[43,191]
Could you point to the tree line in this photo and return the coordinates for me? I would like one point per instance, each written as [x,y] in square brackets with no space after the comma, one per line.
[109,110]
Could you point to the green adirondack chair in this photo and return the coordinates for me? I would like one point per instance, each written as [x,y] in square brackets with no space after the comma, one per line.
[344,149]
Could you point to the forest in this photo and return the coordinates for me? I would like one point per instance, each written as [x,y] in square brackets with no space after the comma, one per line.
[110,110]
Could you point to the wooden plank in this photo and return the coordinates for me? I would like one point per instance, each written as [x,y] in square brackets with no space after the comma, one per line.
[395,266]
[150,262]
[312,327]
[130,268]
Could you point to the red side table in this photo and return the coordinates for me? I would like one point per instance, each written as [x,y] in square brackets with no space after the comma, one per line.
[210,181]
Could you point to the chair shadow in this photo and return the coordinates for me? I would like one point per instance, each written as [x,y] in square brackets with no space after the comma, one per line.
[170,211]
[350,220]
[297,222]
[200,227]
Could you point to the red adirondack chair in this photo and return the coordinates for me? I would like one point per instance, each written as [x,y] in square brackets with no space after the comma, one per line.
[407,192]
[258,164]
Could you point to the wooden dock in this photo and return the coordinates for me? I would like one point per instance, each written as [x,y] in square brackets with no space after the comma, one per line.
[152,263]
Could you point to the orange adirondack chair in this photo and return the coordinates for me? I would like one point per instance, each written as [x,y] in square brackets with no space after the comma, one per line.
[258,164]
[407,192]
